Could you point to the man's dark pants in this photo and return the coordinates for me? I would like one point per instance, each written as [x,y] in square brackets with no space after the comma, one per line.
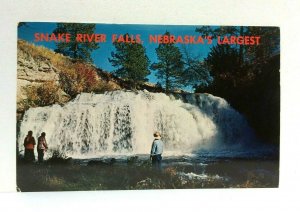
[29,155]
[156,161]
[40,155]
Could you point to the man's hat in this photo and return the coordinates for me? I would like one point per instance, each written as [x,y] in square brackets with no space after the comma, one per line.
[156,135]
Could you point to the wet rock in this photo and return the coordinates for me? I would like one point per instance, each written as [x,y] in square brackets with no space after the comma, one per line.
[132,159]
[112,161]
[68,160]
[144,183]
[101,162]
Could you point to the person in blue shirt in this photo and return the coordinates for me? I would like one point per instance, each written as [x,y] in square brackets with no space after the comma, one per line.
[156,150]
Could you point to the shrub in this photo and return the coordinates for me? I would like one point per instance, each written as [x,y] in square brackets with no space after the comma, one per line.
[88,76]
[48,93]
[42,95]
[82,78]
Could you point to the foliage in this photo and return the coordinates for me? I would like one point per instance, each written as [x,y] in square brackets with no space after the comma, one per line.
[81,79]
[74,77]
[229,64]
[218,31]
[196,72]
[269,44]
[222,59]
[37,52]
[223,63]
[71,73]
[236,66]
[43,94]
[170,66]
[76,49]
[248,76]
[131,61]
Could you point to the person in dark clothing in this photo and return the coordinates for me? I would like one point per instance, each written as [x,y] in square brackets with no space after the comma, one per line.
[29,143]
[156,150]
[42,147]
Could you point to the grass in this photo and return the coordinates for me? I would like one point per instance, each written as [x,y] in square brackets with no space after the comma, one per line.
[38,52]
[75,77]
[123,176]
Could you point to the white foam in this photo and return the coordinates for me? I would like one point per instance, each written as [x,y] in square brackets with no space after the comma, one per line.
[122,123]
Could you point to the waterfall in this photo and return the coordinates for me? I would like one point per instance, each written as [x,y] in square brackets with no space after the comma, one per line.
[123,122]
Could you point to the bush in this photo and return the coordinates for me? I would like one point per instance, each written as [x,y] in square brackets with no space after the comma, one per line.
[42,95]
[82,78]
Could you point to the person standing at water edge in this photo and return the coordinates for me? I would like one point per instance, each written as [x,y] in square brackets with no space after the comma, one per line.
[42,147]
[29,143]
[156,150]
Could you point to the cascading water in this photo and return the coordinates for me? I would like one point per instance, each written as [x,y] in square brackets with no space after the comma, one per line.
[123,122]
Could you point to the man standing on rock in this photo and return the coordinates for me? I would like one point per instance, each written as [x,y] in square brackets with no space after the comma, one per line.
[156,150]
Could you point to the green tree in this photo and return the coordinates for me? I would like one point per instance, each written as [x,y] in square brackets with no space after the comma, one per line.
[170,66]
[269,42]
[248,76]
[225,31]
[75,48]
[131,61]
[223,62]
[196,72]
[238,64]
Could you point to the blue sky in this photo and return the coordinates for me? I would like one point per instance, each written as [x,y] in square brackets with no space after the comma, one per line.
[101,55]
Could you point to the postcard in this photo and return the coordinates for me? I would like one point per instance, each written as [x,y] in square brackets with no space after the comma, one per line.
[139,106]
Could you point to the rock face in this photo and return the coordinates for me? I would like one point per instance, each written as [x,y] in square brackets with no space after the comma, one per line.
[32,72]
[35,70]
[39,67]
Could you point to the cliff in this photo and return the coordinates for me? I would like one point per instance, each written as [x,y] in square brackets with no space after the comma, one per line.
[45,77]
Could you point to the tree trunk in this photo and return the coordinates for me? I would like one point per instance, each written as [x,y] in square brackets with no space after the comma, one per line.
[167,82]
